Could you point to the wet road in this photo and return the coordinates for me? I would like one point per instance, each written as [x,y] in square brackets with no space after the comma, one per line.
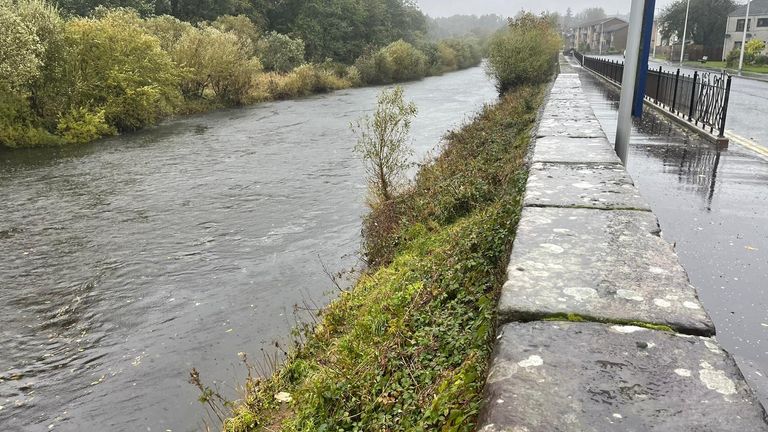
[748,106]
[129,261]
[713,205]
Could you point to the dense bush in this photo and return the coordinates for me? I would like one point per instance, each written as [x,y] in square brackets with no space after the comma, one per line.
[753,54]
[280,53]
[76,79]
[374,68]
[524,53]
[754,48]
[119,68]
[467,51]
[303,81]
[81,126]
[398,61]
[218,65]
[407,62]
[732,59]
[167,29]
[247,32]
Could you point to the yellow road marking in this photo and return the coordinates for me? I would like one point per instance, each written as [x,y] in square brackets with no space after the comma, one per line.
[748,143]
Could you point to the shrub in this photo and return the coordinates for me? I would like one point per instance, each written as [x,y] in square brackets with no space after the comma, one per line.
[19,126]
[167,29]
[352,76]
[447,56]
[524,53]
[241,26]
[407,62]
[116,66]
[375,68]
[732,59]
[303,81]
[280,53]
[753,48]
[382,143]
[20,49]
[761,60]
[399,61]
[81,126]
[218,63]
[467,52]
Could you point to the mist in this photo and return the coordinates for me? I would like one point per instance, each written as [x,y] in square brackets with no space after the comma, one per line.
[442,8]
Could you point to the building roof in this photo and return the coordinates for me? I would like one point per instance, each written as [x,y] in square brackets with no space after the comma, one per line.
[758,7]
[615,27]
[602,21]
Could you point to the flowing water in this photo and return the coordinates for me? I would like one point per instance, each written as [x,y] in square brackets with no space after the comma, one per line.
[129,261]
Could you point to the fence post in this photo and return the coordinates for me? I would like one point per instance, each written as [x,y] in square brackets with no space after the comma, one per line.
[674,96]
[658,84]
[725,107]
[693,95]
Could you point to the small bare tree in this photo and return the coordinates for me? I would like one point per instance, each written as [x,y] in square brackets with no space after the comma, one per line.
[382,143]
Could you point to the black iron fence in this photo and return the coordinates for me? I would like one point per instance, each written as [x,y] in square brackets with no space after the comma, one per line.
[701,98]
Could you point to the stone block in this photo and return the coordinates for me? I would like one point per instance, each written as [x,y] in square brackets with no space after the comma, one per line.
[578,377]
[574,150]
[600,186]
[603,265]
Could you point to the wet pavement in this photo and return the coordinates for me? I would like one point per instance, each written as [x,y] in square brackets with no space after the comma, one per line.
[713,205]
[748,107]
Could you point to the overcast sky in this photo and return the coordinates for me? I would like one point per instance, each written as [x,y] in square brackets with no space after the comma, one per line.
[507,8]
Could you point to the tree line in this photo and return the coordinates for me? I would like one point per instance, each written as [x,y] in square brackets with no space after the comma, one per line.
[78,70]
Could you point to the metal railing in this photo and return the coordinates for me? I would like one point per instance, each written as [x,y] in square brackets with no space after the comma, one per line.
[701,98]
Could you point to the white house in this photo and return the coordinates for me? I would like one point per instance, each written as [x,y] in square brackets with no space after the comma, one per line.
[607,34]
[757,27]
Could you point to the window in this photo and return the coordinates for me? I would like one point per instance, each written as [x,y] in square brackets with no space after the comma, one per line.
[740,25]
[762,22]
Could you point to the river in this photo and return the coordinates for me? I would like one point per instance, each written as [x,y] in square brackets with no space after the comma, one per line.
[129,261]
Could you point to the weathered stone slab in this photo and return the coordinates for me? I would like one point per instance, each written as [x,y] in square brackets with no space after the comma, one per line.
[606,187]
[574,150]
[560,124]
[563,104]
[568,96]
[579,377]
[551,112]
[602,265]
[587,127]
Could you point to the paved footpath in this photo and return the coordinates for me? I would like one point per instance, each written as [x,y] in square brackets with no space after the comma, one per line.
[600,328]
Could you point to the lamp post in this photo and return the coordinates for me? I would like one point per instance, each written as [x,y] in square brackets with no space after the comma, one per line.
[685,32]
[744,38]
[624,126]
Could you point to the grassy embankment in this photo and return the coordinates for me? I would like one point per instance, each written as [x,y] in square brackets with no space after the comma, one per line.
[407,348]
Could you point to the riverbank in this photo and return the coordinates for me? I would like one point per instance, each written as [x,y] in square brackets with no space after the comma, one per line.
[407,347]
[75,79]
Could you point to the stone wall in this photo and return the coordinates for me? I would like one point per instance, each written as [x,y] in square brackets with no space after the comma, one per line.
[600,328]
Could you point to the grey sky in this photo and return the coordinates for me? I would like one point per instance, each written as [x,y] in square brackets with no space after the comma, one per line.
[512,7]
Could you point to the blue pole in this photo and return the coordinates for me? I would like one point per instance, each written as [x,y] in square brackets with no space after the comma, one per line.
[645,52]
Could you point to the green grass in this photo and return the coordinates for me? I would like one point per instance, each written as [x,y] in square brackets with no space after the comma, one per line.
[407,348]
[720,65]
